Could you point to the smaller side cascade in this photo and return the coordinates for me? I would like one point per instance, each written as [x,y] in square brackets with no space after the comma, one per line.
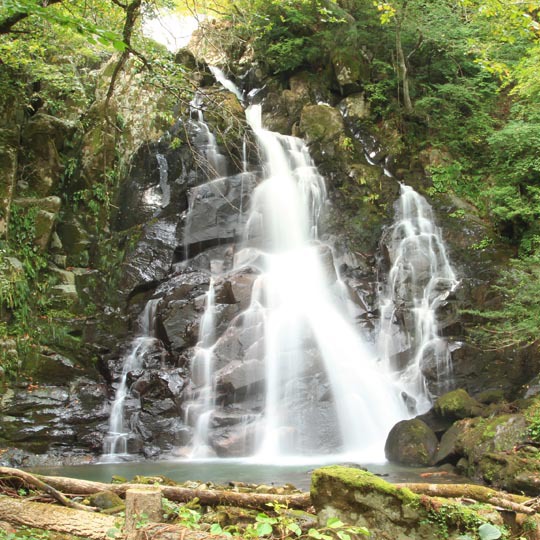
[417,287]
[198,410]
[115,443]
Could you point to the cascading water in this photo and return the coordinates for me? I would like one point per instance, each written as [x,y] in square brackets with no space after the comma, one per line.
[302,307]
[115,443]
[279,371]
[323,392]
[202,373]
[418,284]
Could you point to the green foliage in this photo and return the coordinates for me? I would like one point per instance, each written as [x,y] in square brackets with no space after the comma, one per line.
[516,322]
[288,34]
[474,527]
[25,533]
[532,414]
[280,523]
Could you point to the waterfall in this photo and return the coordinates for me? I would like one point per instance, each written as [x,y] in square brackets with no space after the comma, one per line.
[323,389]
[419,282]
[200,410]
[115,443]
[163,167]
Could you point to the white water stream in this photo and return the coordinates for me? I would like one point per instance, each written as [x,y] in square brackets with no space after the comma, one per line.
[297,310]
[419,282]
[115,443]
[327,391]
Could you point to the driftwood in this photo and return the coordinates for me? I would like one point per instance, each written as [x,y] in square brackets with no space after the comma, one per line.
[52,517]
[210,497]
[483,494]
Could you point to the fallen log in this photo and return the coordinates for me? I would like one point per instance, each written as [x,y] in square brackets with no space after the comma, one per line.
[483,494]
[210,497]
[34,481]
[52,517]
[56,518]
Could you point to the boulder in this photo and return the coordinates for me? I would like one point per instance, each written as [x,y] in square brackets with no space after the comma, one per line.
[457,404]
[359,498]
[42,138]
[75,241]
[151,257]
[355,107]
[106,500]
[321,124]
[214,215]
[411,442]
[46,212]
[449,447]
[350,69]
[238,375]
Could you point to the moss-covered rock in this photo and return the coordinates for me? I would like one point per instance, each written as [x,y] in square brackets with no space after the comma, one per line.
[492,450]
[45,212]
[321,124]
[42,139]
[457,404]
[360,498]
[411,442]
[106,500]
[350,69]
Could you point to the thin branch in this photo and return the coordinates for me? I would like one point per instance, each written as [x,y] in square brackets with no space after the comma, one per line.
[31,480]
[7,24]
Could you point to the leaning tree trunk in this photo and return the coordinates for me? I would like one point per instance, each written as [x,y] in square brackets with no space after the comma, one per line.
[403,72]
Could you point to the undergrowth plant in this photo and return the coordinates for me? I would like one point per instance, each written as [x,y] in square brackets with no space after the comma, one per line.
[278,523]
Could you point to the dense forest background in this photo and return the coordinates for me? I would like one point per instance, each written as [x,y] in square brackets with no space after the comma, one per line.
[451,88]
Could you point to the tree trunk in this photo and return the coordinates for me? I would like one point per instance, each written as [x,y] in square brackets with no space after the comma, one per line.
[210,497]
[403,72]
[9,22]
[142,505]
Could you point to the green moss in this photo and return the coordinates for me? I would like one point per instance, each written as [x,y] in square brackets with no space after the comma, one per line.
[364,481]
[457,404]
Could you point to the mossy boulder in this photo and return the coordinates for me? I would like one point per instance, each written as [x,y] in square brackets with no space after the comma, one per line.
[355,106]
[321,124]
[106,500]
[362,499]
[457,404]
[499,434]
[45,215]
[492,450]
[42,139]
[411,442]
[349,69]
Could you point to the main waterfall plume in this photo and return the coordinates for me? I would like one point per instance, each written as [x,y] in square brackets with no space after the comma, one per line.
[323,391]
[272,363]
